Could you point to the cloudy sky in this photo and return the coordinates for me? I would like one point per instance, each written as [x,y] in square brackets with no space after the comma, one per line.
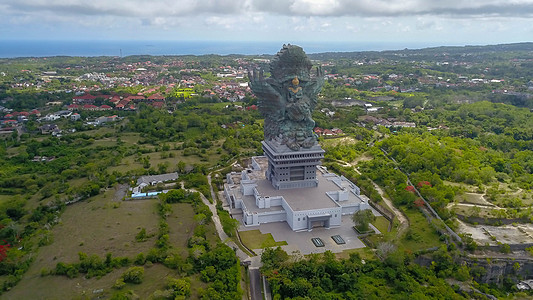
[405,23]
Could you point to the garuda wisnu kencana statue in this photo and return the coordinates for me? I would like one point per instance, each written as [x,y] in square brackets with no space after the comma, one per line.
[287,98]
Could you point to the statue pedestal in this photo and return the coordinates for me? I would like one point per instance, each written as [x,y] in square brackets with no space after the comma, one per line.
[289,169]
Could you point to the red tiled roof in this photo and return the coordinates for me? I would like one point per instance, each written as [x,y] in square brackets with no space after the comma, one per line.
[156,97]
[85,97]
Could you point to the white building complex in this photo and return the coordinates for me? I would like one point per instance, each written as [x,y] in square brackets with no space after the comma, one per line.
[255,200]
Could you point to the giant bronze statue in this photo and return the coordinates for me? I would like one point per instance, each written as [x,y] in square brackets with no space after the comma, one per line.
[287,98]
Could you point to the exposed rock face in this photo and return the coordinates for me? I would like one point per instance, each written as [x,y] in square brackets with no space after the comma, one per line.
[494,270]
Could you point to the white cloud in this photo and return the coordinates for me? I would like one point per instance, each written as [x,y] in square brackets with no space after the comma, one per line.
[338,20]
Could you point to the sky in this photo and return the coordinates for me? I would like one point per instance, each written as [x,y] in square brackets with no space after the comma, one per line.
[405,23]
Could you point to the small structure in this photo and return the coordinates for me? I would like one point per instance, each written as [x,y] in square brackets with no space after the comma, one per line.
[75,117]
[145,181]
[525,285]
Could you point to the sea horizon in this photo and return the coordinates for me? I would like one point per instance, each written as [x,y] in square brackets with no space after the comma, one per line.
[94,48]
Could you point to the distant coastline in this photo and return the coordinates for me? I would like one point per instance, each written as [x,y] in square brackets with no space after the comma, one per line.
[42,48]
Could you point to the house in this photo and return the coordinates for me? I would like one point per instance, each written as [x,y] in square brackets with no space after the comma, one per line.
[51,117]
[115,99]
[155,179]
[64,113]
[49,128]
[158,104]
[73,107]
[89,107]
[84,99]
[145,181]
[105,107]
[75,117]
[156,97]
[336,131]
[102,120]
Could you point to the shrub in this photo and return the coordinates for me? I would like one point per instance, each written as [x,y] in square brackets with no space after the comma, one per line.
[133,275]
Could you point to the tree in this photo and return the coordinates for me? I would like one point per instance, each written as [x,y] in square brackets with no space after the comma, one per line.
[362,219]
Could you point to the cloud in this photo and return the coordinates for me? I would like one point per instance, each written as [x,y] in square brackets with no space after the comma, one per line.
[320,8]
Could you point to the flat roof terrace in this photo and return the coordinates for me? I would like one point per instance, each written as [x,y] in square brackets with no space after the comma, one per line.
[300,199]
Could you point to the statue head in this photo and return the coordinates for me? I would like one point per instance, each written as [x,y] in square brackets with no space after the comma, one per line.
[289,63]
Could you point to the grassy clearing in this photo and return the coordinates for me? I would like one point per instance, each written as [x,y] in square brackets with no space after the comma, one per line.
[381,224]
[364,253]
[129,163]
[332,142]
[181,224]
[6,198]
[103,143]
[466,187]
[477,211]
[100,131]
[254,239]
[471,198]
[420,235]
[130,138]
[96,226]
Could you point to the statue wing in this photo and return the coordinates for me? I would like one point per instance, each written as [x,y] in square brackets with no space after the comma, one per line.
[313,87]
[269,99]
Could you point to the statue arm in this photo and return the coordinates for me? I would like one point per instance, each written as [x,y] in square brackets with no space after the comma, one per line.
[267,92]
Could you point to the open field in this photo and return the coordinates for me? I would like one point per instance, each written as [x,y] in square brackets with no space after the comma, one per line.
[332,142]
[364,253]
[381,224]
[99,226]
[254,239]
[181,225]
[473,198]
[420,235]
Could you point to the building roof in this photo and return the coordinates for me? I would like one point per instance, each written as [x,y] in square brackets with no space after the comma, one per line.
[157,178]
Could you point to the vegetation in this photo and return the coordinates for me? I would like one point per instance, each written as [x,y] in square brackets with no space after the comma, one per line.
[473,134]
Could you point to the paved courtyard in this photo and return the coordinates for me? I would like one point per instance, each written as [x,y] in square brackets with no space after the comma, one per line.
[301,241]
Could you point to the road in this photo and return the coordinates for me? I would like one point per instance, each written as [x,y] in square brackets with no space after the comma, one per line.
[255,283]
[253,270]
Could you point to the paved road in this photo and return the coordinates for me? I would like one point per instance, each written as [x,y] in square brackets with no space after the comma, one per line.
[255,283]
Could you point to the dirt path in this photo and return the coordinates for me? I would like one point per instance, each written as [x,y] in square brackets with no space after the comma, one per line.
[404,221]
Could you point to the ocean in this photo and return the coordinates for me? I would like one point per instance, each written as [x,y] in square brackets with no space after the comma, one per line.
[44,48]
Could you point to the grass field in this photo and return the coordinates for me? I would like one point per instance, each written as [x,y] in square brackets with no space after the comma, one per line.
[472,198]
[97,226]
[6,198]
[254,239]
[364,253]
[420,235]
[381,224]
